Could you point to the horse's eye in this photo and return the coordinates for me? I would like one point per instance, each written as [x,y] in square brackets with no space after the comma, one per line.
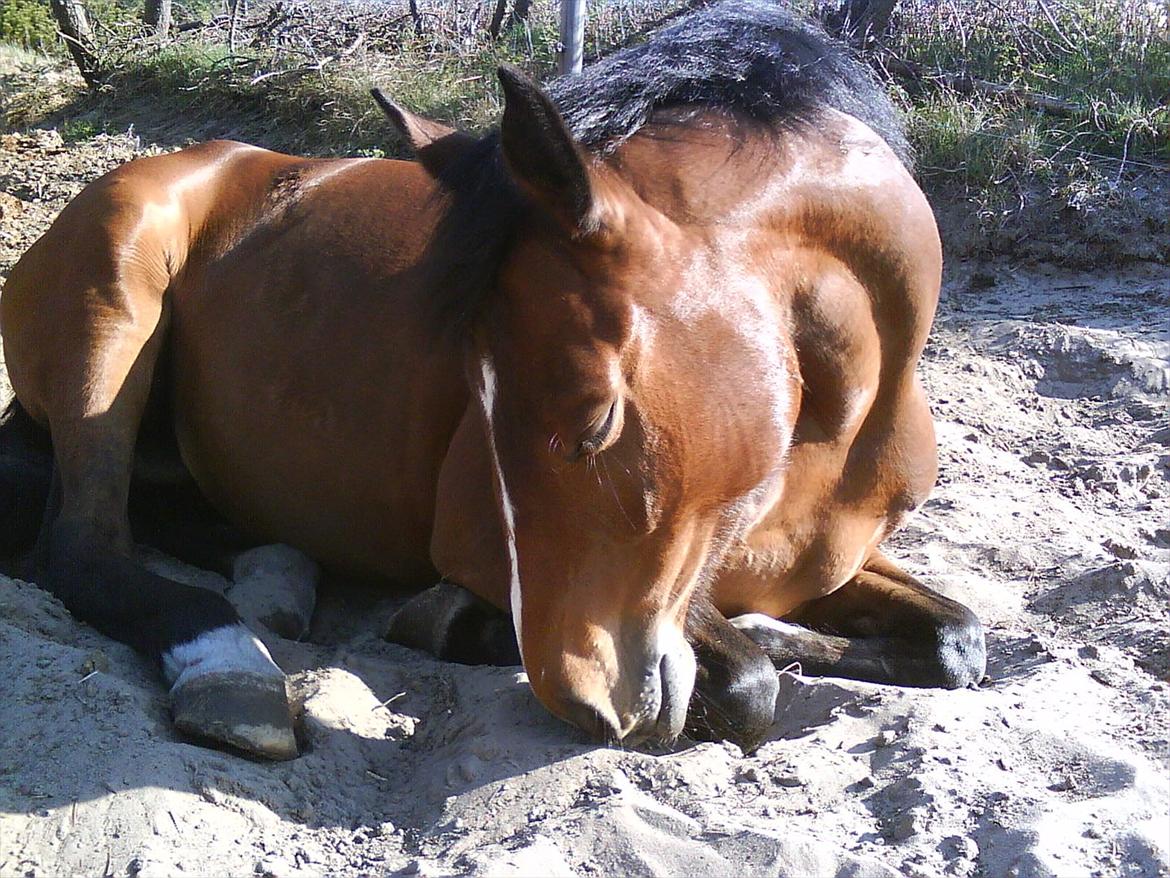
[594,442]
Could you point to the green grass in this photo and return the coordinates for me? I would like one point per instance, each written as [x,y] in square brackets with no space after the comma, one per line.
[1109,59]
[291,105]
[289,101]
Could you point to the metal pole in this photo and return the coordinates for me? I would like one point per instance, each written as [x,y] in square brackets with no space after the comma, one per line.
[572,53]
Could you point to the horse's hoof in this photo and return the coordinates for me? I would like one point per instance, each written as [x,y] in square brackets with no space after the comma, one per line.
[275,586]
[246,711]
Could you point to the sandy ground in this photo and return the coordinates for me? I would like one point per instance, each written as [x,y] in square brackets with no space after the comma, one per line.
[1052,520]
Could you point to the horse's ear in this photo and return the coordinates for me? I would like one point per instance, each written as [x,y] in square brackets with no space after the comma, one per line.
[542,155]
[435,145]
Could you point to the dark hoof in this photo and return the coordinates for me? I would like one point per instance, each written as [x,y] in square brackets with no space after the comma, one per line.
[735,693]
[454,625]
[246,711]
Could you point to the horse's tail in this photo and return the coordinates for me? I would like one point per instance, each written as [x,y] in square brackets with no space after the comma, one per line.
[26,475]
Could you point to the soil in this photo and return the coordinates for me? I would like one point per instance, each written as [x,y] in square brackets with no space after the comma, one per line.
[1051,519]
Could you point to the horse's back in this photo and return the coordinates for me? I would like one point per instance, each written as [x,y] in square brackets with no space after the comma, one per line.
[99,273]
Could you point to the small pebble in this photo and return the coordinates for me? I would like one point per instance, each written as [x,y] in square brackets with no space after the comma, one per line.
[751,774]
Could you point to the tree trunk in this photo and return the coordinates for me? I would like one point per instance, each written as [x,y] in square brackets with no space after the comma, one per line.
[520,9]
[158,15]
[519,13]
[236,8]
[497,19]
[861,23]
[73,25]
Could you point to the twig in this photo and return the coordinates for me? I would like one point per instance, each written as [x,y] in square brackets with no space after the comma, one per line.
[967,84]
[389,700]
[1056,27]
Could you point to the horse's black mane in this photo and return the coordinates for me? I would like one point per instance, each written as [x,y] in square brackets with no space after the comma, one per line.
[754,58]
[749,56]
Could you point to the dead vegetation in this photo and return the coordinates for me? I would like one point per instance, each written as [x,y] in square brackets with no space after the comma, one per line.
[1041,126]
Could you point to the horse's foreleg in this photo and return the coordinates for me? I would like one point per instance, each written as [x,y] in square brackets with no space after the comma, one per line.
[454,625]
[224,684]
[882,626]
[735,686]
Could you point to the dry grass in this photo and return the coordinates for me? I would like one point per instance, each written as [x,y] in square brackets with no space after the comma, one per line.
[299,74]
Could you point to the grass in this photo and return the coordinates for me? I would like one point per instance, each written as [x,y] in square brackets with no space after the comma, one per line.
[303,84]
[305,87]
[1109,62]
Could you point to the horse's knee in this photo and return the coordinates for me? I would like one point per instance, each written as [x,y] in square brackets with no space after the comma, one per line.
[960,649]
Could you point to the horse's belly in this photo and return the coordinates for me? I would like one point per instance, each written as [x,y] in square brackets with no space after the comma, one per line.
[316,413]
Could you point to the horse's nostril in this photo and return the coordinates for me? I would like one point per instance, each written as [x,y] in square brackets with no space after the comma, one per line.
[592,720]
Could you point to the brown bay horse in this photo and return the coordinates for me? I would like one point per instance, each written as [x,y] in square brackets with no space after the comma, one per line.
[636,370]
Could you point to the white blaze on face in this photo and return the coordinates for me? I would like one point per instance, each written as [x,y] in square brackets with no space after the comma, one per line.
[488,401]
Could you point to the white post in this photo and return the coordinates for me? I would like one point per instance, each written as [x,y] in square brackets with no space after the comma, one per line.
[572,54]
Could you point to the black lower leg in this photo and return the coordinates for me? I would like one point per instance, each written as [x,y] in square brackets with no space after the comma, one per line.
[124,600]
[881,626]
[735,685]
[452,624]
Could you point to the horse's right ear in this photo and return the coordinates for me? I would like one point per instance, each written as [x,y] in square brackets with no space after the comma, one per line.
[543,156]
[434,144]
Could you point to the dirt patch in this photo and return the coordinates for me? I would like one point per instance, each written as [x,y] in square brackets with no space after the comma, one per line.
[1050,389]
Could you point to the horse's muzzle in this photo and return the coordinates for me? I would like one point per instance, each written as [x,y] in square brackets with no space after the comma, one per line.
[649,703]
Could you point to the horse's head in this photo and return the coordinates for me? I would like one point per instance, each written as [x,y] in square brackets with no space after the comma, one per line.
[636,399]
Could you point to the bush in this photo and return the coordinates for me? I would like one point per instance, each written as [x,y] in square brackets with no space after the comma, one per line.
[29,24]
[1107,61]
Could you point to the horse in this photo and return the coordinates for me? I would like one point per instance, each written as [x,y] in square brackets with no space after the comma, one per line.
[634,372]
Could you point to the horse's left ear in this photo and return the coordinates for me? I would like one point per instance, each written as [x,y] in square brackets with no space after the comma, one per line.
[543,156]
[435,145]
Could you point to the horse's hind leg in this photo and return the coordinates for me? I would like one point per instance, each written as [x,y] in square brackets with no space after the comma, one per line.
[92,388]
[882,626]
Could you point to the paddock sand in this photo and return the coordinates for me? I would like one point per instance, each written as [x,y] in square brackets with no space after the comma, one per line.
[1052,520]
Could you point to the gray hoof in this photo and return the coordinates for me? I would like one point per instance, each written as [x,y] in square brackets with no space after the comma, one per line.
[276,586]
[244,710]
